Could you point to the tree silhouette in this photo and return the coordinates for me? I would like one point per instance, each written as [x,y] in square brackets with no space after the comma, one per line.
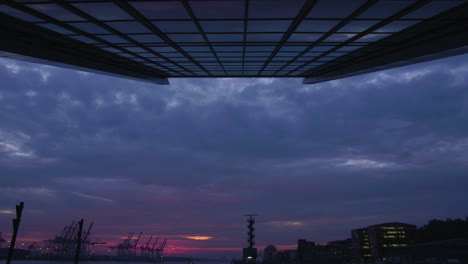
[437,230]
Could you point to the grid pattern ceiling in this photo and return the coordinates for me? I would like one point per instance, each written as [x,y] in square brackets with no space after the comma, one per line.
[219,38]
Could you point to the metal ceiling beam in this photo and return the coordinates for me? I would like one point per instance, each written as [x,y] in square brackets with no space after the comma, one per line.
[54,21]
[335,29]
[100,24]
[308,5]
[384,22]
[23,41]
[142,19]
[189,10]
[445,35]
[244,37]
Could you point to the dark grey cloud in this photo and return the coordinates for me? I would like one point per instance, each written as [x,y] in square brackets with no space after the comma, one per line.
[191,158]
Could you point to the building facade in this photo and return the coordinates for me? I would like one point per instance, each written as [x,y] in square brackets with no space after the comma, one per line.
[285,257]
[335,252]
[268,254]
[361,244]
[452,251]
[371,242]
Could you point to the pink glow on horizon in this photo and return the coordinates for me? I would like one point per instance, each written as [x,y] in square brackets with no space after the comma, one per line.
[199,237]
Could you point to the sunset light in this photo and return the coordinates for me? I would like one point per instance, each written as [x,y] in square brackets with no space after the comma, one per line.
[234,132]
[198,237]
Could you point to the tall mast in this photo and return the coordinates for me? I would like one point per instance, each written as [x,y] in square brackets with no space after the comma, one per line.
[250,253]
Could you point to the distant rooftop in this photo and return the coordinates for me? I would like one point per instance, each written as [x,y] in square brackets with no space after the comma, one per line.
[393,224]
[388,224]
[155,40]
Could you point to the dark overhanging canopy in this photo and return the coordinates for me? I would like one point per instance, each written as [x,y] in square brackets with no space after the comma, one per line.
[155,40]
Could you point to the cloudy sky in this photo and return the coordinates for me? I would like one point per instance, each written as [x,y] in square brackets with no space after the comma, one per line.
[190,159]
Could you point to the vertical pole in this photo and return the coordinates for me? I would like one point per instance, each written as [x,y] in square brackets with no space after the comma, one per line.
[16,223]
[78,244]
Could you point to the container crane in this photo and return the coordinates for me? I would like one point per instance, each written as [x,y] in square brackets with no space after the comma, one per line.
[1,240]
[145,248]
[134,246]
[160,249]
[153,248]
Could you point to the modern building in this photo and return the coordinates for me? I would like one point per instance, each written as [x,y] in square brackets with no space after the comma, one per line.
[335,252]
[361,244]
[342,250]
[268,253]
[304,248]
[317,40]
[285,257]
[371,242]
[453,251]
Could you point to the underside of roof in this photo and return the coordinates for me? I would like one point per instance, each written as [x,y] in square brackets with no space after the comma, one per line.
[152,41]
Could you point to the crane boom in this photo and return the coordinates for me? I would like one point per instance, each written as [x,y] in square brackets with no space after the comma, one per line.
[154,244]
[163,245]
[129,239]
[149,241]
[138,240]
[86,237]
